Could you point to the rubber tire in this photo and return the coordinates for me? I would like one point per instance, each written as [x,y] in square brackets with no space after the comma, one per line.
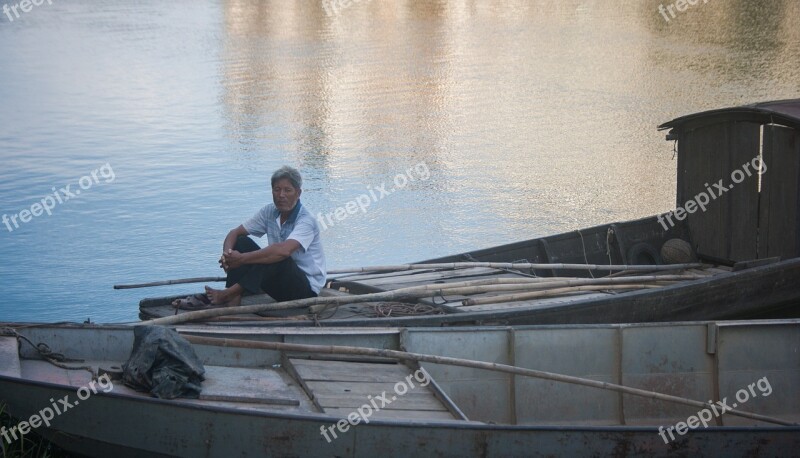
[644,254]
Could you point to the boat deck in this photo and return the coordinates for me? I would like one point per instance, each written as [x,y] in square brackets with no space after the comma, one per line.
[300,384]
[696,360]
[364,283]
[397,280]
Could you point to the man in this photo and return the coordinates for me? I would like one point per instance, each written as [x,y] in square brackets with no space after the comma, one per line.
[292,266]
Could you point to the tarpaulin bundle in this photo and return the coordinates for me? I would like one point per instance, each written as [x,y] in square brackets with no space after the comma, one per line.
[163,363]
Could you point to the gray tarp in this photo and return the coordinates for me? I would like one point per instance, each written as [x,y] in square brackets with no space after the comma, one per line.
[163,363]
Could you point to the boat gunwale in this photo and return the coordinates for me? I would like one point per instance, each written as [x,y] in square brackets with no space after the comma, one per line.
[439,424]
[520,311]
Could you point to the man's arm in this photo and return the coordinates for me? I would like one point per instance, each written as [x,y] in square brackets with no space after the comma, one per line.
[276,252]
[230,239]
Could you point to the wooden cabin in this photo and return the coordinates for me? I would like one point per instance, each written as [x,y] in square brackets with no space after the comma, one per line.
[758,216]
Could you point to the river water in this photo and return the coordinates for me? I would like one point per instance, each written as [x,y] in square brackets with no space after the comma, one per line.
[508,120]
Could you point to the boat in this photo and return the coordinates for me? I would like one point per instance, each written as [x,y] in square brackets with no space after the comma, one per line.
[745,237]
[344,392]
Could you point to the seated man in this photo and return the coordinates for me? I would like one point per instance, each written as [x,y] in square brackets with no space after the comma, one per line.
[292,266]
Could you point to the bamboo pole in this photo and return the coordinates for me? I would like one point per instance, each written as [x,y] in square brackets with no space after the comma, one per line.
[527,284]
[513,265]
[317,304]
[550,292]
[516,284]
[434,359]
[171,282]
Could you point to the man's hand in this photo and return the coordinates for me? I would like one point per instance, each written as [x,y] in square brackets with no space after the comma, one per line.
[231,260]
[222,264]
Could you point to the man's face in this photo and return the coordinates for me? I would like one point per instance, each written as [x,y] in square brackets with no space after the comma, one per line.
[284,195]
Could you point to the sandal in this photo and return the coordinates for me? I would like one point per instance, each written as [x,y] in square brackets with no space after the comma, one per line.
[194,302]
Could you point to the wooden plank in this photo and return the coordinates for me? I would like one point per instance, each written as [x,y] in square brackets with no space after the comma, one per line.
[9,357]
[406,402]
[392,286]
[342,371]
[536,303]
[435,276]
[780,217]
[702,158]
[365,383]
[360,277]
[290,369]
[364,389]
[249,399]
[742,198]
[419,415]
[716,270]
[222,381]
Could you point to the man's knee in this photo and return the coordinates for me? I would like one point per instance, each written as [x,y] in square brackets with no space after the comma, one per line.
[245,244]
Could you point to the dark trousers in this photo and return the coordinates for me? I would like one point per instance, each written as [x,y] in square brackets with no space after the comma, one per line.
[283,280]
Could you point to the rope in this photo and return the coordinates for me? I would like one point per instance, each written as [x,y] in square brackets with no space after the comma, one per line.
[56,359]
[584,252]
[387,309]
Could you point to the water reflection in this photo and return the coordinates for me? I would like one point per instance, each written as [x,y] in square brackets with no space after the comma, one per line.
[534,117]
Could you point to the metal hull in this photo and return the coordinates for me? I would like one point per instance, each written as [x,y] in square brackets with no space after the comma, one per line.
[109,424]
[505,415]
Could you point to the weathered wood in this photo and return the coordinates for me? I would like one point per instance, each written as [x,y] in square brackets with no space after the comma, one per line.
[249,399]
[338,384]
[361,277]
[247,385]
[434,276]
[406,402]
[742,198]
[406,415]
[408,356]
[366,388]
[347,371]
[552,292]
[779,217]
[703,158]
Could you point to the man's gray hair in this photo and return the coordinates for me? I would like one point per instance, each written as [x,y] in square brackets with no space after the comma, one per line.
[291,174]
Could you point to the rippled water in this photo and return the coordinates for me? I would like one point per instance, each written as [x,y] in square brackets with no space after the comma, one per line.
[531,117]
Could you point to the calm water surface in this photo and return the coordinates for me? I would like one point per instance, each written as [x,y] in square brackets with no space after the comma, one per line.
[531,117]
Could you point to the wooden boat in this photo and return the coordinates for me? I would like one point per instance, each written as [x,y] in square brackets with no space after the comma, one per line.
[748,239]
[264,401]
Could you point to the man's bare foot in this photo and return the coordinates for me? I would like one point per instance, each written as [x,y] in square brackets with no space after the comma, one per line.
[228,297]
[235,302]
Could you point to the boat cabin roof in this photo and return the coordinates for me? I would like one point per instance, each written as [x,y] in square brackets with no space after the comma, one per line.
[785,112]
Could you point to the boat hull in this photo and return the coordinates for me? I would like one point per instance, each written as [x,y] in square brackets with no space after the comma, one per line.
[103,426]
[767,291]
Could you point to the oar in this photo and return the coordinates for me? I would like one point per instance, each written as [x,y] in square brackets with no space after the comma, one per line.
[171,282]
[421,357]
